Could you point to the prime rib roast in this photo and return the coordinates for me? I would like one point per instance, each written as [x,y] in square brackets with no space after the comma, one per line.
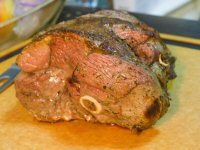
[105,67]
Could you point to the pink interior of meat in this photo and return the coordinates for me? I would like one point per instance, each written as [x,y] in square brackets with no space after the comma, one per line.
[140,41]
[61,66]
[71,53]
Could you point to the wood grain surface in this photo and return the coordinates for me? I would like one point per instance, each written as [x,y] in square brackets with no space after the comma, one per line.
[178,129]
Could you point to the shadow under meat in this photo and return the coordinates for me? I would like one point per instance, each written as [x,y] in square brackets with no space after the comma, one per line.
[81,133]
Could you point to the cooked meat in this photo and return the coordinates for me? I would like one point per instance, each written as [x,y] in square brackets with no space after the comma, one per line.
[105,67]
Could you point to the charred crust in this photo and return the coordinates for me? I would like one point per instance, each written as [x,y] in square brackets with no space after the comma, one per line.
[153,110]
[172,74]
[137,128]
[104,87]
[109,42]
[73,80]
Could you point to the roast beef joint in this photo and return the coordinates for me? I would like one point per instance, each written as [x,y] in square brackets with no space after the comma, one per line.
[106,67]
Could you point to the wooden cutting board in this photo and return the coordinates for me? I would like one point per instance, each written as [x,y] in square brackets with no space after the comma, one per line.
[178,129]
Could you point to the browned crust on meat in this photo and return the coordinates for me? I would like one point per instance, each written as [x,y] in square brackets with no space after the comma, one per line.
[132,92]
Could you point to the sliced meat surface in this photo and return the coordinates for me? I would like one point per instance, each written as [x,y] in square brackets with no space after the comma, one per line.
[35,57]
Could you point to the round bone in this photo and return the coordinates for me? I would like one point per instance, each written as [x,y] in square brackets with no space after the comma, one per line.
[94,101]
[161,62]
